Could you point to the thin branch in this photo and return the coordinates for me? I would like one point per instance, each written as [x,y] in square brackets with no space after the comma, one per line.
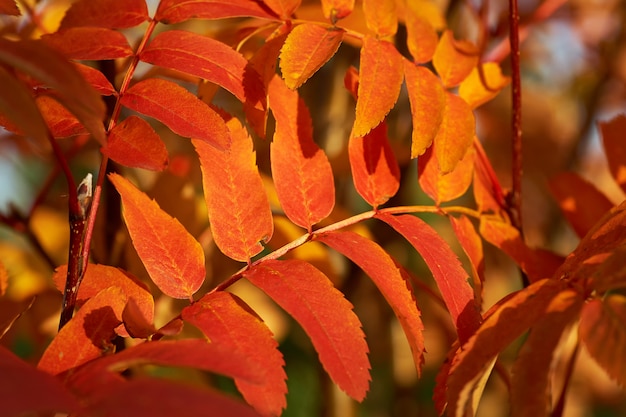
[515,198]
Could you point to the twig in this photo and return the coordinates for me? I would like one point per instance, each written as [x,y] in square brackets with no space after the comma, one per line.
[515,198]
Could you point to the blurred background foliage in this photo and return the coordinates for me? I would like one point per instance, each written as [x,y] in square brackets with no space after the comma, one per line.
[574,74]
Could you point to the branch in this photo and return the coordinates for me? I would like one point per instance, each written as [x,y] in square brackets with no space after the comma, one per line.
[515,198]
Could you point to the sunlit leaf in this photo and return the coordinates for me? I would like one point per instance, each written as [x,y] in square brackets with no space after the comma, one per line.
[134,143]
[18,383]
[428,102]
[421,37]
[383,271]
[602,331]
[175,11]
[613,141]
[444,187]
[110,14]
[228,321]
[381,72]
[324,314]
[60,121]
[381,17]
[178,109]
[92,43]
[208,59]
[237,205]
[454,59]
[87,335]
[472,245]
[335,10]
[446,268]
[283,8]
[475,93]
[456,133]
[96,79]
[506,321]
[535,360]
[301,171]
[172,257]
[574,195]
[307,48]
[428,10]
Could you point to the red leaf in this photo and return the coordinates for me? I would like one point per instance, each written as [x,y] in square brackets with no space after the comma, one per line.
[96,79]
[383,271]
[283,8]
[335,10]
[91,43]
[613,141]
[428,100]
[381,17]
[307,48]
[324,314]
[381,75]
[487,190]
[456,133]
[178,109]
[451,278]
[162,398]
[60,121]
[611,273]
[9,7]
[53,70]
[110,14]
[507,322]
[535,360]
[536,263]
[175,11]
[602,331]
[172,257]
[87,335]
[574,195]
[444,187]
[228,321]
[18,383]
[421,37]
[4,282]
[301,171]
[100,277]
[375,170]
[134,143]
[473,247]
[453,59]
[237,205]
[208,59]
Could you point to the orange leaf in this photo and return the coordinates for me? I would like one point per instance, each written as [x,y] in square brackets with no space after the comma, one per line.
[208,59]
[451,278]
[602,331]
[474,92]
[100,277]
[96,79]
[106,13]
[613,141]
[456,133]
[60,121]
[134,143]
[4,279]
[227,320]
[92,43]
[508,321]
[301,171]
[574,195]
[178,109]
[18,383]
[381,75]
[156,397]
[428,101]
[375,170]
[381,17]
[172,257]
[535,360]
[283,8]
[307,48]
[335,10]
[472,245]
[453,59]
[383,271]
[440,187]
[175,11]
[237,205]
[87,335]
[536,263]
[421,37]
[324,314]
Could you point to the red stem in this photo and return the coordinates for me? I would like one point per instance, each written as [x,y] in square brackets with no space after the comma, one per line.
[515,201]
